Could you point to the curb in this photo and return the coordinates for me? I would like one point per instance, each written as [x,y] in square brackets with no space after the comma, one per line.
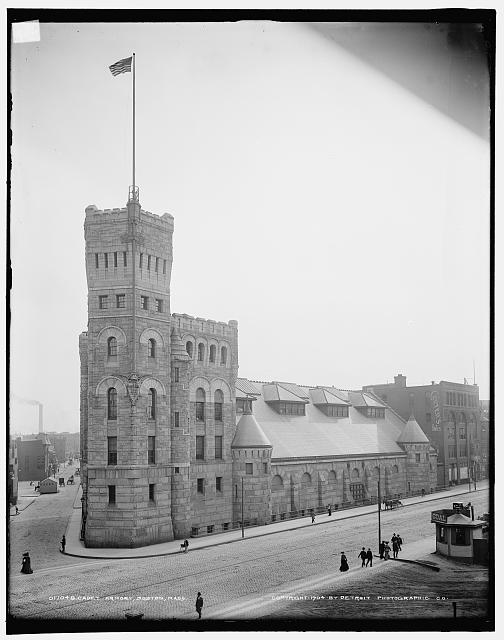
[422,563]
[260,535]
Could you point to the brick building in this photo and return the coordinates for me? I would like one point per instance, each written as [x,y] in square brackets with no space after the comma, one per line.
[13,472]
[162,455]
[33,458]
[449,415]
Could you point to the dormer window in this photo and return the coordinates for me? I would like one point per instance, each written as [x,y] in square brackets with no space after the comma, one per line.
[335,411]
[290,408]
[376,412]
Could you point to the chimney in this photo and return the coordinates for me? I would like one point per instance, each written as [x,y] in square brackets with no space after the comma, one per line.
[411,403]
[433,382]
[40,417]
[400,380]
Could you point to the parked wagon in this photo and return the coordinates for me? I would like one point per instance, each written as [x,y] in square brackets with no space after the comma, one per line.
[61,482]
[71,480]
[392,504]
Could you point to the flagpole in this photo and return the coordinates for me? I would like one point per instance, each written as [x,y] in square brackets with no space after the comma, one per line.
[133,124]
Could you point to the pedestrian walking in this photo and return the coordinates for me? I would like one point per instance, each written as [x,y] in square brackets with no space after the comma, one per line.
[395,548]
[329,511]
[423,492]
[386,551]
[63,544]
[17,511]
[369,558]
[186,545]
[393,538]
[399,542]
[26,563]
[344,562]
[199,605]
[312,517]
[382,549]
[363,556]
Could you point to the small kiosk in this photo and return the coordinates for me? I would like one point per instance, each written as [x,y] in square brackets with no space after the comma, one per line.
[48,486]
[457,535]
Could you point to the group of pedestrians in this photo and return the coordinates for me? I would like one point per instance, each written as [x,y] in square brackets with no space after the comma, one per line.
[366,557]
[385,548]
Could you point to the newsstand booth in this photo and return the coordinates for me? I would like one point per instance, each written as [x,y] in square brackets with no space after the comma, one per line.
[456,534]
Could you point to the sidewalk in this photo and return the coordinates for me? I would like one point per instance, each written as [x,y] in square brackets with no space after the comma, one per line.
[75,547]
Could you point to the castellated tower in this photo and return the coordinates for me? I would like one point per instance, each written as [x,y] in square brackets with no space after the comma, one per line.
[126,378]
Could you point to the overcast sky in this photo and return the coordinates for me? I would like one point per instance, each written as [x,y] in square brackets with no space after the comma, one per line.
[325,195]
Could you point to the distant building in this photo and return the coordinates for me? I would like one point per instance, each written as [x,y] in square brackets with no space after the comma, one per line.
[59,442]
[13,472]
[449,415]
[33,458]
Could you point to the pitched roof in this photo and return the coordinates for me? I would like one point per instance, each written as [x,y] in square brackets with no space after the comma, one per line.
[273,392]
[412,432]
[322,395]
[247,387]
[249,433]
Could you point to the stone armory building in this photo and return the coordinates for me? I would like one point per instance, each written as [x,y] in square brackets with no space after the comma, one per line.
[162,453]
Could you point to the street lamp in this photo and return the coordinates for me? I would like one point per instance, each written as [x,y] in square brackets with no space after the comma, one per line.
[379,509]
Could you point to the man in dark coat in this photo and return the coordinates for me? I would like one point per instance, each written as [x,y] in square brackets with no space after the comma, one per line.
[199,605]
[344,562]
[399,542]
[395,548]
[363,556]
[369,558]
[329,511]
[63,544]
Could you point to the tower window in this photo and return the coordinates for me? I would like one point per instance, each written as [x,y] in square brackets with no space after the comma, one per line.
[152,404]
[112,347]
[152,348]
[218,447]
[176,374]
[249,468]
[218,484]
[164,266]
[200,405]
[97,261]
[115,258]
[265,467]
[218,402]
[200,447]
[111,494]
[106,260]
[223,359]
[157,265]
[112,451]
[121,300]
[159,305]
[103,302]
[201,352]
[141,260]
[177,419]
[151,451]
[112,404]
[125,259]
[144,300]
[212,353]
[151,492]
[189,348]
[148,262]
[417,457]
[201,485]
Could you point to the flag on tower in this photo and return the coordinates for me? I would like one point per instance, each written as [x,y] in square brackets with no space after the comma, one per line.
[123,66]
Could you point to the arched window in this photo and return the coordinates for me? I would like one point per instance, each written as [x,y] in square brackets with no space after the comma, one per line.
[189,348]
[152,348]
[395,469]
[376,472]
[112,404]
[201,352]
[112,347]
[151,404]
[218,402]
[355,474]
[223,355]
[212,353]
[276,483]
[331,478]
[200,405]
[306,480]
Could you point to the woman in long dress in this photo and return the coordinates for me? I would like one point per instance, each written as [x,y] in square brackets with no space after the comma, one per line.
[344,562]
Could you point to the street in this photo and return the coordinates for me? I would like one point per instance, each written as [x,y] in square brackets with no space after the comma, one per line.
[244,579]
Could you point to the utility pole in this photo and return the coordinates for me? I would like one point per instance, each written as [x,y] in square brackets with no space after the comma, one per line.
[243,530]
[379,509]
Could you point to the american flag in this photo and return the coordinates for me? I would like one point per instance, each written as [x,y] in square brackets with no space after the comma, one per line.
[123,66]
